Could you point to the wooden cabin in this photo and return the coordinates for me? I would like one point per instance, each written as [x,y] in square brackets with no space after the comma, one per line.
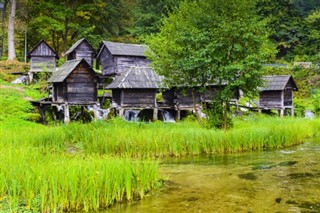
[116,57]
[181,98]
[135,88]
[81,49]
[74,83]
[277,93]
[42,58]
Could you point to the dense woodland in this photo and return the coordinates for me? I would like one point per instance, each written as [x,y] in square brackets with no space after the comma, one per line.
[293,25]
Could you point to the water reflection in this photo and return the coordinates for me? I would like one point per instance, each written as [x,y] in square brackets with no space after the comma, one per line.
[268,181]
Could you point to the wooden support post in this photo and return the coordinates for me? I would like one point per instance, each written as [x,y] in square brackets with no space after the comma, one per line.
[178,115]
[121,112]
[198,112]
[66,114]
[292,111]
[95,111]
[281,112]
[155,114]
[282,104]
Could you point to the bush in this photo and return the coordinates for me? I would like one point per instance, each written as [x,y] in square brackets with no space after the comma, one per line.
[214,117]
[316,103]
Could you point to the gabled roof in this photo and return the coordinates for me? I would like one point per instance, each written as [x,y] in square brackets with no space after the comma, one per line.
[53,53]
[124,49]
[75,45]
[66,69]
[136,78]
[277,82]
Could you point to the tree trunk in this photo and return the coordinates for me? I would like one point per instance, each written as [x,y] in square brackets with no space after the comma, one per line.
[11,49]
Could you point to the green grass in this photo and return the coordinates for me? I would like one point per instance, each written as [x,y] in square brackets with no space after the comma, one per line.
[90,166]
[50,182]
[119,138]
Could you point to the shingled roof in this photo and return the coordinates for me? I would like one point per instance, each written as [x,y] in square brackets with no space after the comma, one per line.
[136,78]
[75,45]
[277,82]
[124,49]
[66,69]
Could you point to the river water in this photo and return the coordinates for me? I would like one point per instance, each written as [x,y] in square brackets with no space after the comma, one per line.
[286,180]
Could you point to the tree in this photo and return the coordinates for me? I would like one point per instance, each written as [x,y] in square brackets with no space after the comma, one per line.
[149,13]
[212,41]
[313,39]
[11,49]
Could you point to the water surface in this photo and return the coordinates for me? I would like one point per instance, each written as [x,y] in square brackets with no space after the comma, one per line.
[286,180]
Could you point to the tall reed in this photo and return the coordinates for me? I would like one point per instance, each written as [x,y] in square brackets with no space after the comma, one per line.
[50,182]
[119,138]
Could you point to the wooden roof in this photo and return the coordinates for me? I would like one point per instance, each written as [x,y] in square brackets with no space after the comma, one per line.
[75,45]
[66,69]
[42,48]
[136,78]
[277,82]
[124,49]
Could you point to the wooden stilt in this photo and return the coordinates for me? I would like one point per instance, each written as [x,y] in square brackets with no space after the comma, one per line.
[292,111]
[95,111]
[282,112]
[121,112]
[155,114]
[178,115]
[199,114]
[66,114]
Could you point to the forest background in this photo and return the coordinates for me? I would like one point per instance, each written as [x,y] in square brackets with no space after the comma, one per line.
[294,25]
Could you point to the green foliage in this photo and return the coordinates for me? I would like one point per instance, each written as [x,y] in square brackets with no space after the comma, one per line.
[316,103]
[194,49]
[148,15]
[214,117]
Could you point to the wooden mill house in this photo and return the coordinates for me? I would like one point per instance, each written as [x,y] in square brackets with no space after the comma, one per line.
[135,88]
[117,57]
[42,58]
[74,84]
[81,49]
[277,93]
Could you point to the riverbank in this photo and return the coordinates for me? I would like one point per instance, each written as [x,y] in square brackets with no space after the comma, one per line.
[91,166]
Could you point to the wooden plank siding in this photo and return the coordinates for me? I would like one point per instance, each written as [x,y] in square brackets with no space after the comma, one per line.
[138,98]
[270,99]
[83,89]
[108,66]
[112,64]
[82,49]
[116,97]
[42,58]
[42,63]
[186,100]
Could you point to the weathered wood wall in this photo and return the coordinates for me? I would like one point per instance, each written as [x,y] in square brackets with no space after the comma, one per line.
[43,63]
[138,98]
[270,99]
[288,96]
[112,64]
[81,86]
[186,99]
[168,97]
[59,94]
[116,97]
[82,51]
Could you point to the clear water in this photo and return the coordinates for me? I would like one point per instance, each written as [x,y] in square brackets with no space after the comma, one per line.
[285,180]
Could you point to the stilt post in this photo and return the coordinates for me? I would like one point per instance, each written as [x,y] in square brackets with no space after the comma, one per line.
[66,114]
